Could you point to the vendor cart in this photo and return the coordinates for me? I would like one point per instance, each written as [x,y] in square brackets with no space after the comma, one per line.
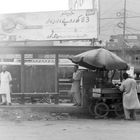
[100,92]
[101,96]
[108,100]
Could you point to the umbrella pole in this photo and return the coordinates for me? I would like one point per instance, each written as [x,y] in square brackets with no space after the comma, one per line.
[121,76]
[114,71]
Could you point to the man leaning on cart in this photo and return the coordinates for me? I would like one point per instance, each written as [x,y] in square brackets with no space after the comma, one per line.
[130,97]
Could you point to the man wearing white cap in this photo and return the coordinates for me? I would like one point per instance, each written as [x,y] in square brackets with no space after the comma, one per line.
[5,80]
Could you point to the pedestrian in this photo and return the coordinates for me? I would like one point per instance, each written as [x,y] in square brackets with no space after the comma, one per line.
[75,89]
[5,83]
[130,97]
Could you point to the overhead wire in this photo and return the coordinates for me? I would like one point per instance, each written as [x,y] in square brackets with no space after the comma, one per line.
[113,19]
[120,17]
[105,27]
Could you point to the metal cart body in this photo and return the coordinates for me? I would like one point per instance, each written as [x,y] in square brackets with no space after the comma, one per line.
[101,100]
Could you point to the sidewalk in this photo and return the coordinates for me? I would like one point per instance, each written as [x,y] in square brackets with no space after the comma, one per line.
[32,112]
[59,108]
[40,111]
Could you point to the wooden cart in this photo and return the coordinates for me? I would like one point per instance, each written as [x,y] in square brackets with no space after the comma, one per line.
[106,100]
[101,100]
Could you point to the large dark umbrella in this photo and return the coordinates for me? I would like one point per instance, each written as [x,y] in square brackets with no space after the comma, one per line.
[100,58]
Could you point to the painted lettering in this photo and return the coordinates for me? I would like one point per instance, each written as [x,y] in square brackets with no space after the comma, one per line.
[53,35]
[66,21]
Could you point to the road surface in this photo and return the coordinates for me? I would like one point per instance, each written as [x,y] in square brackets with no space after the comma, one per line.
[74,129]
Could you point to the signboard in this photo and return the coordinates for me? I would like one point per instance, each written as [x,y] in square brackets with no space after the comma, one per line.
[10,59]
[131,40]
[15,59]
[39,61]
[65,62]
[83,4]
[59,25]
[63,59]
[73,43]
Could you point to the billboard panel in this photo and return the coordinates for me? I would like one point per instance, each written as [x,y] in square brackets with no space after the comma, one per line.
[59,25]
[83,4]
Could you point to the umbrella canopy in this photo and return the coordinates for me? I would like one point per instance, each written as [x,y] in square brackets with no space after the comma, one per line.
[100,58]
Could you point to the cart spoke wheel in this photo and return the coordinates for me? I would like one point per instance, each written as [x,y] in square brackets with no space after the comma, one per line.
[119,110]
[101,110]
[91,108]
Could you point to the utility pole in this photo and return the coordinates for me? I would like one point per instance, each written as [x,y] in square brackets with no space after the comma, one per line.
[96,6]
[124,19]
[124,28]
[99,17]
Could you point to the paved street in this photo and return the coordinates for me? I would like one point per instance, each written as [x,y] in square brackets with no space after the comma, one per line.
[76,129]
[34,123]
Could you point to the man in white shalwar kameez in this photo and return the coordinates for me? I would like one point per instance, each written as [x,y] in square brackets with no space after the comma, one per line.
[5,80]
[130,97]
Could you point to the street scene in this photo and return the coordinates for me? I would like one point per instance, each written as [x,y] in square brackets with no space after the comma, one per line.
[69,69]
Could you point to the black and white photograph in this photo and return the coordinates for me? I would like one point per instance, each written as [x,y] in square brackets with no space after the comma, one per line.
[69,70]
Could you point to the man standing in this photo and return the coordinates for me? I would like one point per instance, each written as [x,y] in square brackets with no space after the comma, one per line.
[5,80]
[75,89]
[130,97]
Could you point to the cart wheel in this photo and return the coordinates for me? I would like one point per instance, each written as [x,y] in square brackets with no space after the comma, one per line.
[101,110]
[119,110]
[91,108]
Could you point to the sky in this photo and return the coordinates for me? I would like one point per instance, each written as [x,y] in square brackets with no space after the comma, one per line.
[17,6]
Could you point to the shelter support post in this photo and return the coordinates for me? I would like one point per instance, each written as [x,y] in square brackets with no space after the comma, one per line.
[22,78]
[56,79]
